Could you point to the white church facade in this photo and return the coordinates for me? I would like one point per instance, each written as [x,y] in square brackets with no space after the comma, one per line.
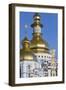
[36,58]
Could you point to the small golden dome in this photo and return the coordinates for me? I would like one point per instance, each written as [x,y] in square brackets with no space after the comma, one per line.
[25,52]
[26,55]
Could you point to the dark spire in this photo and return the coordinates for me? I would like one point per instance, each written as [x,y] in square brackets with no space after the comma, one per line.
[36,14]
[36,20]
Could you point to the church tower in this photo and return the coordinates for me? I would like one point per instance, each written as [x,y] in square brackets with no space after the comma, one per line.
[40,47]
[27,59]
[53,63]
[37,42]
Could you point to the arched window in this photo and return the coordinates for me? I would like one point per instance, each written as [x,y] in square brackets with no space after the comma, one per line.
[38,56]
[29,71]
[42,56]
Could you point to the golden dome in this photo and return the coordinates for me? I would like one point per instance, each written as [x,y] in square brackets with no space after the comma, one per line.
[26,55]
[25,52]
[38,44]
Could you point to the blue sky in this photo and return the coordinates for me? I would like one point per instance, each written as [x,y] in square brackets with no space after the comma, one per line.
[49,30]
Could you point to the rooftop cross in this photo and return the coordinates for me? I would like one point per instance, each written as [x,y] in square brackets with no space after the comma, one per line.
[26,26]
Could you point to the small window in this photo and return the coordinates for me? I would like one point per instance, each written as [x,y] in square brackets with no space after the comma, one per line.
[42,56]
[45,56]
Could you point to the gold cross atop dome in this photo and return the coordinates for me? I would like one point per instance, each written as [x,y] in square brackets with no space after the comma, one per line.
[26,26]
